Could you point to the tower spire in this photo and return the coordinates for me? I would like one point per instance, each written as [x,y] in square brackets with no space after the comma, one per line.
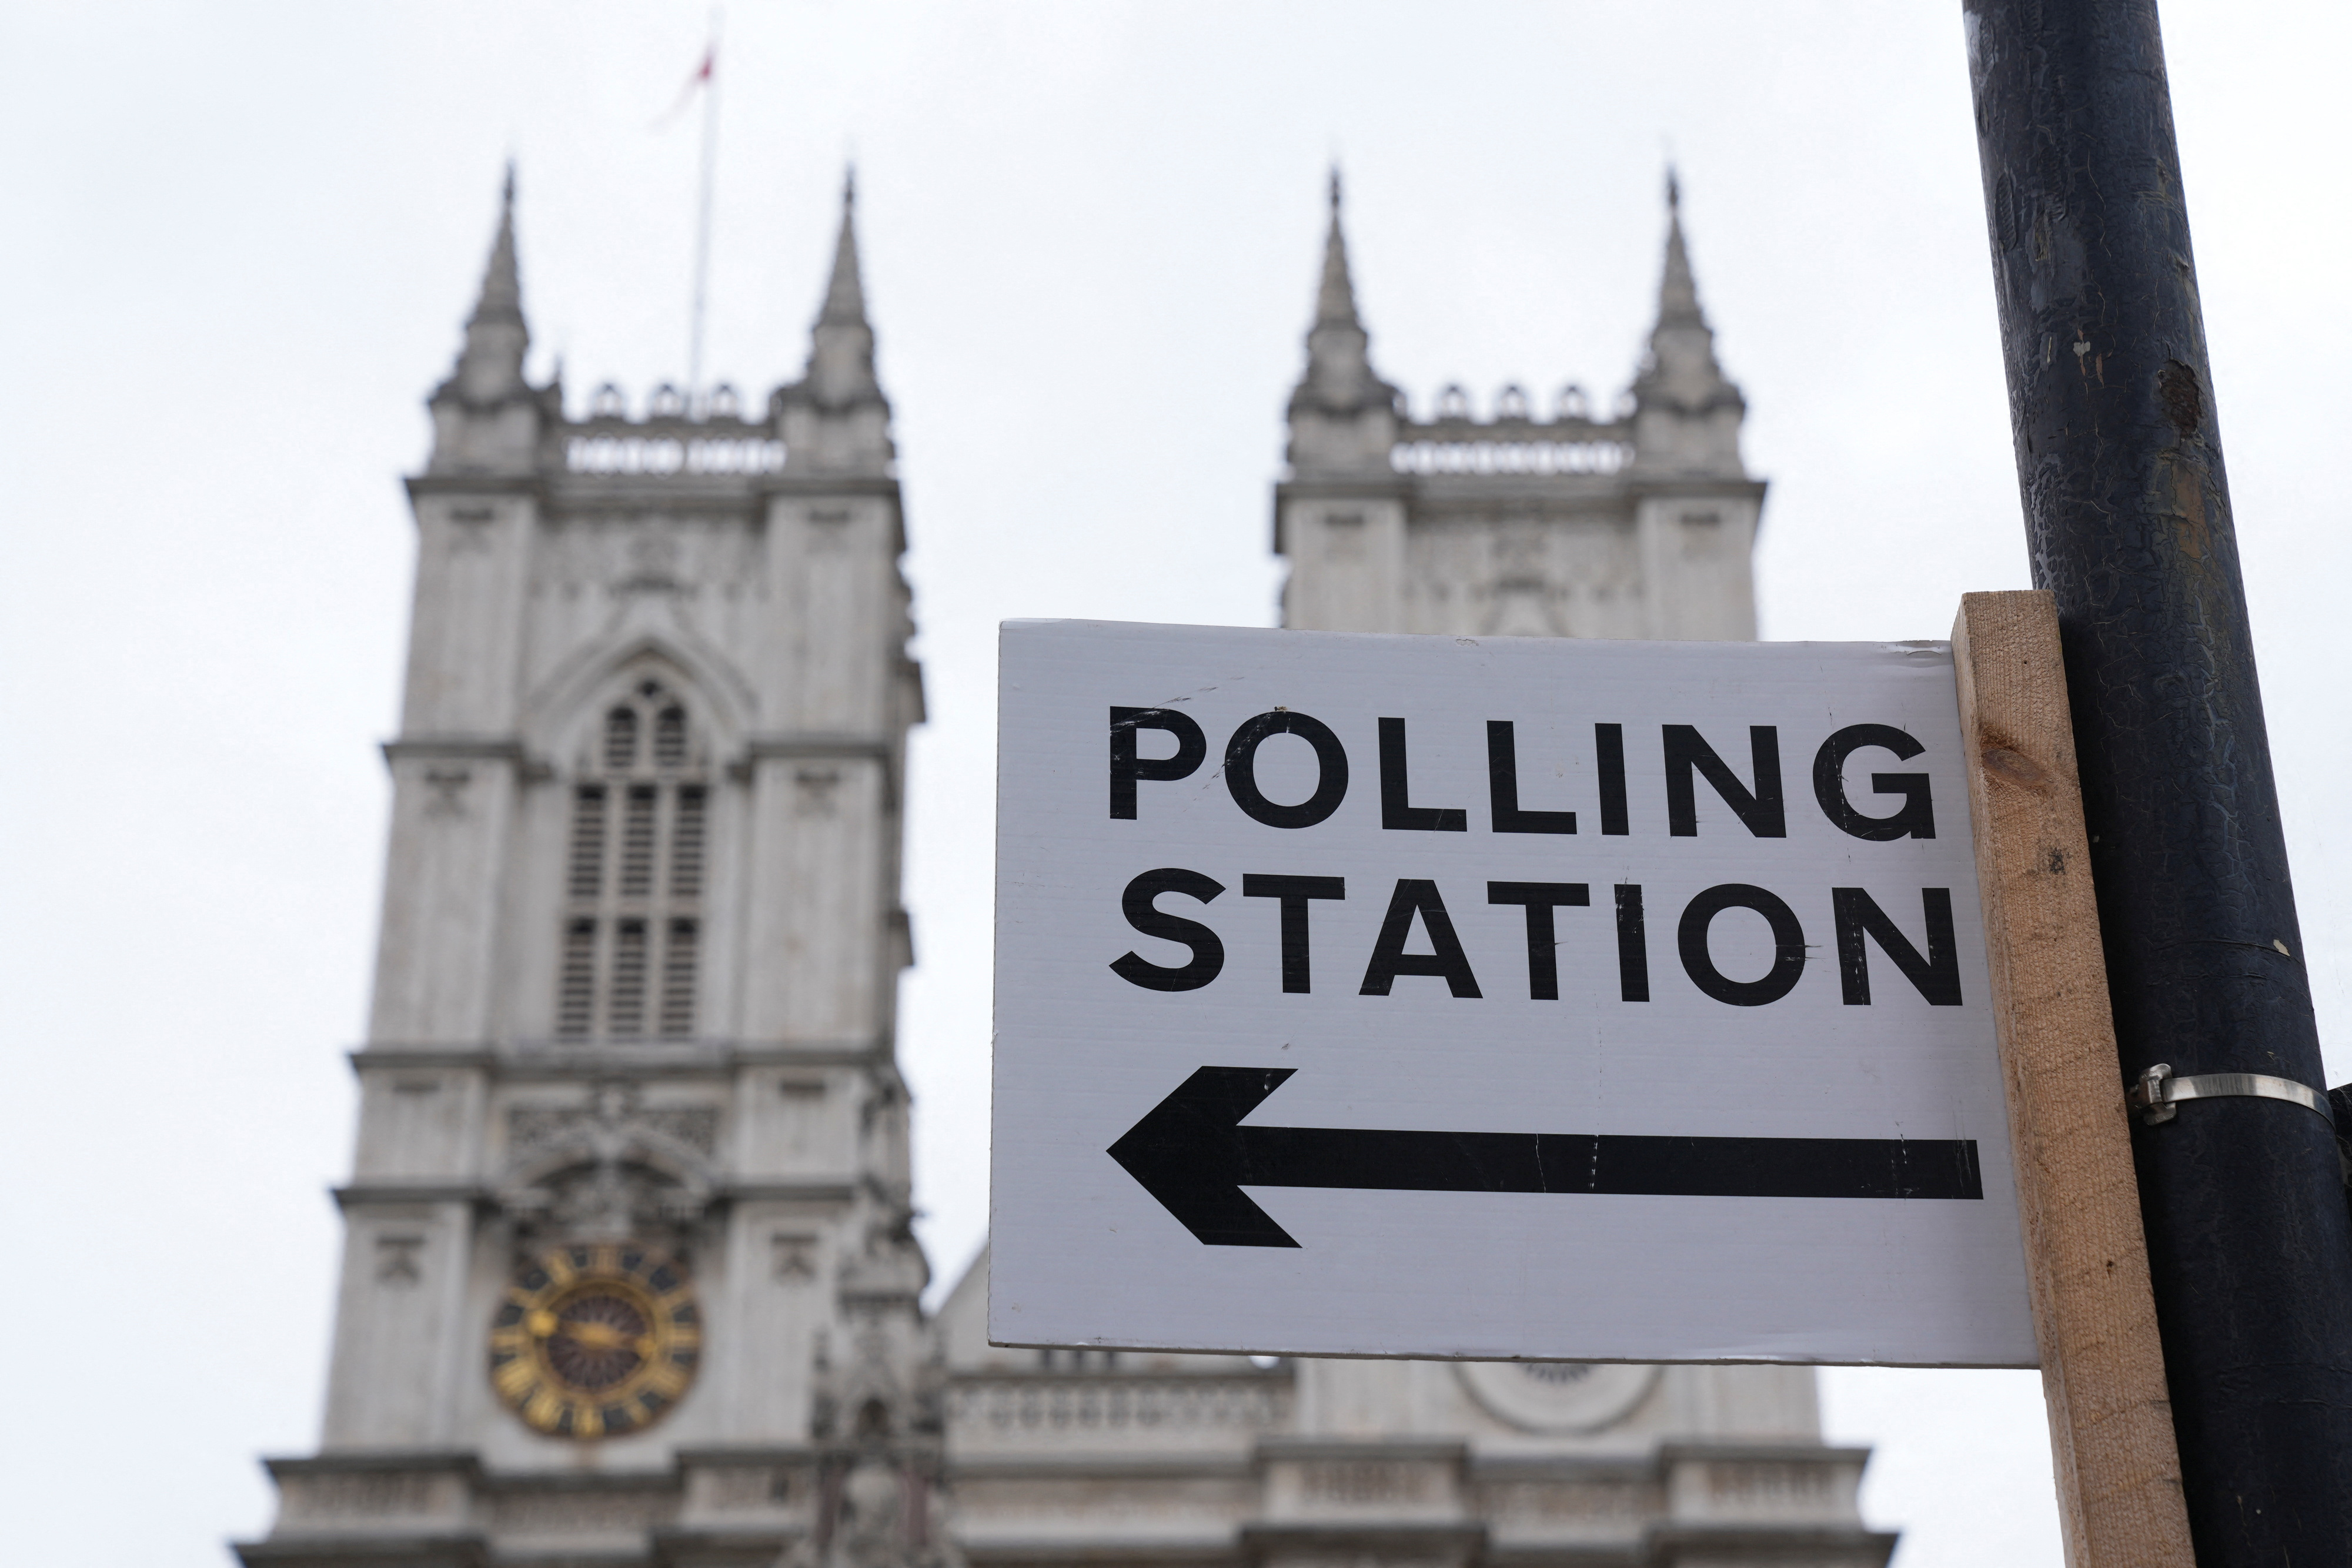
[1339,378]
[1334,303]
[841,355]
[1681,369]
[845,293]
[1342,415]
[1677,290]
[1681,383]
[834,418]
[489,368]
[486,417]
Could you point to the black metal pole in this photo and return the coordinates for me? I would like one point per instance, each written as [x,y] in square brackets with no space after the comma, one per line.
[2128,515]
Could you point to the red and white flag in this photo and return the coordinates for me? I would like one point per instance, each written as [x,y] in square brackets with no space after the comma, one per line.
[697,83]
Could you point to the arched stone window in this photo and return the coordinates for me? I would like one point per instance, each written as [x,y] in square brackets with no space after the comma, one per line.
[635,869]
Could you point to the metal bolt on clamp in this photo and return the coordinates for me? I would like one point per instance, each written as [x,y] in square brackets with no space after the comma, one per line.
[2157,1094]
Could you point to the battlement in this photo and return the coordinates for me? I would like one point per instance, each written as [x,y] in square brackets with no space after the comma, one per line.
[673,437]
[676,436]
[1514,439]
[490,424]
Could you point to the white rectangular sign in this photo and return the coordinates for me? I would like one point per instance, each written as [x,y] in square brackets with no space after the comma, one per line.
[1493,997]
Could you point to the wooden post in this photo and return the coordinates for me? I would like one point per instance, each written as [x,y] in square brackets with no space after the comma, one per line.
[2111,1439]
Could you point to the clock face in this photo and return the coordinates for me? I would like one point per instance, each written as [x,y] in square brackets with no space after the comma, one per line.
[1558,1396]
[595,1341]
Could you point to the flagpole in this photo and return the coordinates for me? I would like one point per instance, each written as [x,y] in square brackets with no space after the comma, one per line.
[702,225]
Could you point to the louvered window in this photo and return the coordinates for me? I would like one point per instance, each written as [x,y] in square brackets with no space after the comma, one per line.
[587,842]
[629,963]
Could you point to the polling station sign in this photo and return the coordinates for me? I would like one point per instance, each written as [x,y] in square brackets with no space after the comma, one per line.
[1493,997]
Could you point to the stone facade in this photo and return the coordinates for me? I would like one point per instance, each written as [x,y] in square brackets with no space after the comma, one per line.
[1119,1458]
[628,1277]
[634,995]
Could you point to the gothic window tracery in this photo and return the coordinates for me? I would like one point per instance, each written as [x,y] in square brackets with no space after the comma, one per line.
[633,879]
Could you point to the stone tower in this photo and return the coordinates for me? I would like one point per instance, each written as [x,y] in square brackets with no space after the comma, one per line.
[627,1275]
[1639,524]
[1636,525]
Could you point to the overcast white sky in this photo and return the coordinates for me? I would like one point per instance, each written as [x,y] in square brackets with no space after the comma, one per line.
[239,241]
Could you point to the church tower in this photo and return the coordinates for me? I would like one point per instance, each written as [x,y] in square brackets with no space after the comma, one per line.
[627,1274]
[1635,524]
[1639,523]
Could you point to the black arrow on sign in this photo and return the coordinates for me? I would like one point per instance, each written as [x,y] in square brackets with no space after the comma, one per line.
[1193,1154]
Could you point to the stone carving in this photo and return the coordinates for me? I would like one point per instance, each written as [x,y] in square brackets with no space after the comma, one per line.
[816,786]
[398,1262]
[1368,1481]
[448,787]
[573,1510]
[1555,1499]
[610,1169]
[363,1495]
[884,1388]
[608,1203]
[877,1510]
[796,1257]
[887,1261]
[1057,1406]
[881,1464]
[1767,1485]
[869,1522]
[615,1110]
[746,1487]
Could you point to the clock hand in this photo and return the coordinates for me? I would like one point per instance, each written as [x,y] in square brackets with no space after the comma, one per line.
[593,1336]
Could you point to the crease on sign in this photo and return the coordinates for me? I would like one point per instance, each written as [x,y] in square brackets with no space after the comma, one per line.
[1217,772]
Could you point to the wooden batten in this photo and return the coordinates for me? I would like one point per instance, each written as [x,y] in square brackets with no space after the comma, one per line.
[2118,1471]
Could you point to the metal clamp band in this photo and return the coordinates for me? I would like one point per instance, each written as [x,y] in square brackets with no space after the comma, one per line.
[2157,1094]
